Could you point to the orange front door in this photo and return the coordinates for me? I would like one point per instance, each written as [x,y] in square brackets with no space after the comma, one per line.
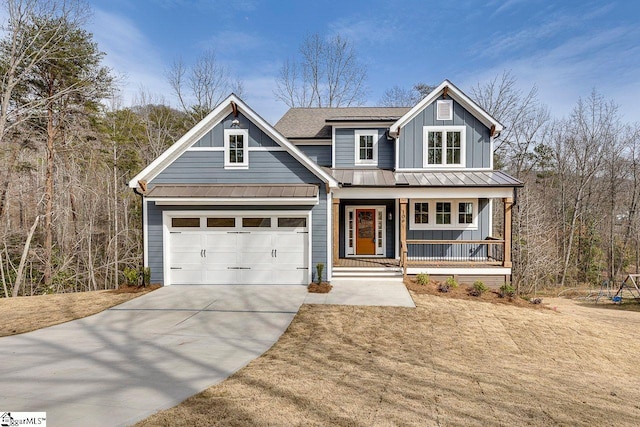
[365,231]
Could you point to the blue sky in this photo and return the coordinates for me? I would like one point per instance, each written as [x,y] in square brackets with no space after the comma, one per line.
[565,47]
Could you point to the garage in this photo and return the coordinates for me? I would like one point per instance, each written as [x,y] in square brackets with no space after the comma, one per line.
[263,247]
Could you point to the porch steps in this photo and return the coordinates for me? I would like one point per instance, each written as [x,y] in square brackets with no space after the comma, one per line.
[367,272]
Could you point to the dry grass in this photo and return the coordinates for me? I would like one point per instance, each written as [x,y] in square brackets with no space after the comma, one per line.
[25,314]
[447,362]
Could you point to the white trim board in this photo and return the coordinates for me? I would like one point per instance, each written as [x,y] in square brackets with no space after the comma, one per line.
[192,201]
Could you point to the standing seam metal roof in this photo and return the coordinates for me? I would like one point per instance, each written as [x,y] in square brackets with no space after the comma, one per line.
[387,178]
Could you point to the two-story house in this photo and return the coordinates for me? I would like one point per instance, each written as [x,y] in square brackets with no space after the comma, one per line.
[367,191]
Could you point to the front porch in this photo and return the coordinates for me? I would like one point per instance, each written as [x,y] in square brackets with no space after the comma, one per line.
[488,257]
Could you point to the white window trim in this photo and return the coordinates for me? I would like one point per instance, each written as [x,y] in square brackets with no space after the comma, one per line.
[450,104]
[245,149]
[368,132]
[455,225]
[444,130]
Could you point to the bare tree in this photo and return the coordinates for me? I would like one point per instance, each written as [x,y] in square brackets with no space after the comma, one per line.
[204,85]
[24,46]
[401,97]
[327,73]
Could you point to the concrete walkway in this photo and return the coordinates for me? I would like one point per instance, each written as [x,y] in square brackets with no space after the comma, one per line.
[121,365]
[373,292]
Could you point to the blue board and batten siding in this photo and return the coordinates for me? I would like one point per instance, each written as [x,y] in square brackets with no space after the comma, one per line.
[345,146]
[478,139]
[215,137]
[207,167]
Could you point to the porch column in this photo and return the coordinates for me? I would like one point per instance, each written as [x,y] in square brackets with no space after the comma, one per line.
[335,220]
[403,235]
[508,204]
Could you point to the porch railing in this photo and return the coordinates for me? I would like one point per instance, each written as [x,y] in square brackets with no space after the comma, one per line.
[488,251]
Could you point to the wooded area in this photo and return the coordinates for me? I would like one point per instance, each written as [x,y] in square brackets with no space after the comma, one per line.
[68,222]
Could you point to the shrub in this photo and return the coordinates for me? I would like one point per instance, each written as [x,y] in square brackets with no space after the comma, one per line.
[319,269]
[146,274]
[451,282]
[444,288]
[130,276]
[480,287]
[422,279]
[507,290]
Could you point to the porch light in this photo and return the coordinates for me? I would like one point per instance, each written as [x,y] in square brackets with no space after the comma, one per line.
[235,123]
[390,216]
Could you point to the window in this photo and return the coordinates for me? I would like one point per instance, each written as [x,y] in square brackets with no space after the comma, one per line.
[185,222]
[236,142]
[366,147]
[421,214]
[443,213]
[431,214]
[256,222]
[445,146]
[465,213]
[221,222]
[444,110]
[292,222]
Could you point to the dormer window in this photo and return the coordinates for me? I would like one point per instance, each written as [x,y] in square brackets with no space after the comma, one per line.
[366,147]
[444,109]
[444,146]
[236,142]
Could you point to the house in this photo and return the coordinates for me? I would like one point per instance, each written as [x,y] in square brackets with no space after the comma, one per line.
[366,191]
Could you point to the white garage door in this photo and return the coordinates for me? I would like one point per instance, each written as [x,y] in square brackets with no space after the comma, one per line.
[237,249]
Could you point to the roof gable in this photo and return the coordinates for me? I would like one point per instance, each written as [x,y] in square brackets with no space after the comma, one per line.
[455,94]
[207,124]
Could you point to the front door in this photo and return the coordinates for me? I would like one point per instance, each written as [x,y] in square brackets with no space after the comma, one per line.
[365,231]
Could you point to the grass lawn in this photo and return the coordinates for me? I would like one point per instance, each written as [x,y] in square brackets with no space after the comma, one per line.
[447,362]
[25,314]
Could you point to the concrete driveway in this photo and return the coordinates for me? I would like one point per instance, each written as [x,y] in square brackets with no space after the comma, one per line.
[121,365]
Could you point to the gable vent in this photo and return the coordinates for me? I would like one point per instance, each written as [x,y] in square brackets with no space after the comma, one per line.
[444,110]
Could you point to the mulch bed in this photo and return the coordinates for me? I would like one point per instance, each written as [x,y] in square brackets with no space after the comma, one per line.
[322,288]
[462,292]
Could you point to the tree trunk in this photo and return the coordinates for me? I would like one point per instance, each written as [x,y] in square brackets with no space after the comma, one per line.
[48,199]
[23,259]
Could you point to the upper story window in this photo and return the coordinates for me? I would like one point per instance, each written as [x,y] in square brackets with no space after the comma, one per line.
[444,146]
[236,144]
[366,146]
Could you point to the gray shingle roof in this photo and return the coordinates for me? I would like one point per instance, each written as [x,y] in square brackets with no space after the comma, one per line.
[312,122]
[387,178]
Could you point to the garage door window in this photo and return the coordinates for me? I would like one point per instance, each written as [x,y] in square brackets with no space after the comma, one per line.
[256,222]
[292,222]
[185,222]
[221,222]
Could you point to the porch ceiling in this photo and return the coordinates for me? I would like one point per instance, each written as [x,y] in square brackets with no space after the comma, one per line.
[388,178]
